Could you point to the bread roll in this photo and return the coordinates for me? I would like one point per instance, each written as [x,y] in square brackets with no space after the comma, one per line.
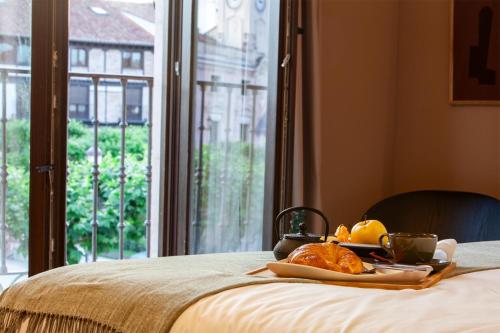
[328,256]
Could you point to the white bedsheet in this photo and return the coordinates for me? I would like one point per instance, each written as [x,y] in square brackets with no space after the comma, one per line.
[466,303]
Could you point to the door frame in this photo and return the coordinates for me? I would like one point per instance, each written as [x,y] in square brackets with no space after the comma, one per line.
[177,142]
[279,185]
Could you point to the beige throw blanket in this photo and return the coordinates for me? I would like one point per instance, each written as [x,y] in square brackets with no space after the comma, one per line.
[149,295]
[123,296]
[474,257]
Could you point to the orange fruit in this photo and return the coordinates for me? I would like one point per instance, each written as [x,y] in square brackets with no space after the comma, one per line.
[342,234]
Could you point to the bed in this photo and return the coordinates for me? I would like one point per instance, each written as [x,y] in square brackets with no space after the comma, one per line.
[465,303]
[211,294]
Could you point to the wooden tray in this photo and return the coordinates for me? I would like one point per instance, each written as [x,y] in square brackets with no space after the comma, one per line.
[429,281]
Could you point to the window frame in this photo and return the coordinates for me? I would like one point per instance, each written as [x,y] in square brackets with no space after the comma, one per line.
[49,82]
[78,63]
[135,119]
[131,67]
[86,86]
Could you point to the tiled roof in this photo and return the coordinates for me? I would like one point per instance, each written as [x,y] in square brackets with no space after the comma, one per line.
[114,27]
[15,18]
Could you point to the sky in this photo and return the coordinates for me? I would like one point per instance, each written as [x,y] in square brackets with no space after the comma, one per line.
[207,9]
[207,15]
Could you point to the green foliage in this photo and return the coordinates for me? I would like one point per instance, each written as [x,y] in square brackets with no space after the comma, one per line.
[18,144]
[17,208]
[231,197]
[78,209]
[230,201]
[80,191]
[79,205]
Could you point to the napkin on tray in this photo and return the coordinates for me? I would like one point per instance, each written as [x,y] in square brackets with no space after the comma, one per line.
[445,249]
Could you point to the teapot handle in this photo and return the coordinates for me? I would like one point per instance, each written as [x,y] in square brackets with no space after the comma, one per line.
[278,219]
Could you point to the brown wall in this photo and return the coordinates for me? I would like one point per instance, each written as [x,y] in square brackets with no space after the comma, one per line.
[438,145]
[386,125]
[358,71]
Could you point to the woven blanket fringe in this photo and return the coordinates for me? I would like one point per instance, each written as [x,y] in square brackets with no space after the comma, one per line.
[11,321]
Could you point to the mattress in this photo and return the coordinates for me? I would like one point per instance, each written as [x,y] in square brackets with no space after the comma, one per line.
[465,303]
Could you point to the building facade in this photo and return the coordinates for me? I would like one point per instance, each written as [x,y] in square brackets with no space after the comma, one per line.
[117,38]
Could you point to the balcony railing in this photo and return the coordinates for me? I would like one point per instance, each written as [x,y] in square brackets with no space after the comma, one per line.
[222,182]
[123,124]
[226,110]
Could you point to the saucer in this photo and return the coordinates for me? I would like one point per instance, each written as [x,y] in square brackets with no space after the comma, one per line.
[436,264]
[364,250]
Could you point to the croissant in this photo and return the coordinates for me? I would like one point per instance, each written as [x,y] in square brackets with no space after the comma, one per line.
[328,256]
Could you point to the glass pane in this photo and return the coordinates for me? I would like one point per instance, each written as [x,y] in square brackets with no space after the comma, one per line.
[107,186]
[231,73]
[15,50]
[73,54]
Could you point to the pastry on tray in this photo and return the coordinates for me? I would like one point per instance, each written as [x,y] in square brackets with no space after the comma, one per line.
[327,256]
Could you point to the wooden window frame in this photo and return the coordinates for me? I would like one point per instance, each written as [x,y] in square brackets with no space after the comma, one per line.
[284,146]
[49,85]
[175,196]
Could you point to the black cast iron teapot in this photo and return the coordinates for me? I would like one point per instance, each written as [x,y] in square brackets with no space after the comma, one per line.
[289,242]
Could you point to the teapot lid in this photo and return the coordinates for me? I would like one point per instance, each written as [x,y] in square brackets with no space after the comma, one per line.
[303,235]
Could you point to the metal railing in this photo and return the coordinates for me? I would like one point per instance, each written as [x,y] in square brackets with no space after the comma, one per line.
[96,79]
[123,124]
[243,89]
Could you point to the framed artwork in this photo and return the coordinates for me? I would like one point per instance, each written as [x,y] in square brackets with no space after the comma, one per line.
[475,52]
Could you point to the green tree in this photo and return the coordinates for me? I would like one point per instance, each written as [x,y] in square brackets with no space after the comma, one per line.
[226,171]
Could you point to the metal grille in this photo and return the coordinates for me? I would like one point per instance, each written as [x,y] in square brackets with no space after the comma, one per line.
[123,125]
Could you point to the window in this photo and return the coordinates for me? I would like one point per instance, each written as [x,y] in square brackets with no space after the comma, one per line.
[229,185]
[23,54]
[7,53]
[132,60]
[134,104]
[17,132]
[78,57]
[129,231]
[79,100]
